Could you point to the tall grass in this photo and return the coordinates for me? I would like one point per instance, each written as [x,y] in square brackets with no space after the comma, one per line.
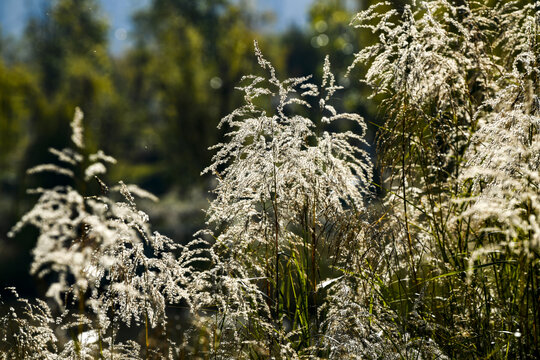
[300,259]
[288,200]
[459,152]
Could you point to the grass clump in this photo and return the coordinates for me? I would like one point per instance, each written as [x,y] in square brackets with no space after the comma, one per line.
[301,258]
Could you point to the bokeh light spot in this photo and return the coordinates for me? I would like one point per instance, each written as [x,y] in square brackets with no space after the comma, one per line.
[319,41]
[216,82]
[120,34]
[321,26]
[347,49]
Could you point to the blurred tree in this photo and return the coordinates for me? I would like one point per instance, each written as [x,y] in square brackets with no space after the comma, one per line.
[15,86]
[17,92]
[15,83]
[69,30]
[65,64]
[68,52]
[179,80]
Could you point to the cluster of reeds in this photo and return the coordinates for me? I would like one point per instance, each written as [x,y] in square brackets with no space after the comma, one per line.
[300,258]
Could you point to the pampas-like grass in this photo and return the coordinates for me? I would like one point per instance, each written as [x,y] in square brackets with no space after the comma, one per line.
[299,259]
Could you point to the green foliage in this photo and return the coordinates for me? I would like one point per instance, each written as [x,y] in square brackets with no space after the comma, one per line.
[182,72]
[15,82]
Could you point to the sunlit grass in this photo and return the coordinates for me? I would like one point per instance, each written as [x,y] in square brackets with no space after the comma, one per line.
[299,258]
